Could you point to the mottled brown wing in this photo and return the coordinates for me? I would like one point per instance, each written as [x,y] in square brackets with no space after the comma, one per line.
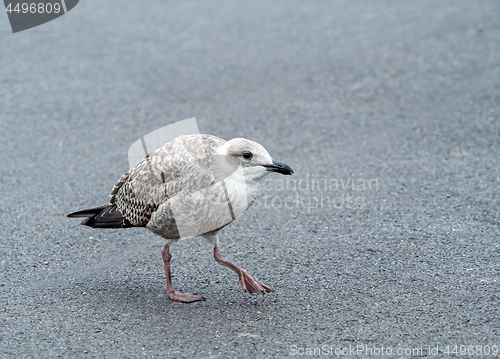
[181,165]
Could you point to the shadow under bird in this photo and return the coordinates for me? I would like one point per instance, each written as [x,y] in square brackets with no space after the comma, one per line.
[192,186]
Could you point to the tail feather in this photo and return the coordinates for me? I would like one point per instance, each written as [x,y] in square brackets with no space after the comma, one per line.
[106,216]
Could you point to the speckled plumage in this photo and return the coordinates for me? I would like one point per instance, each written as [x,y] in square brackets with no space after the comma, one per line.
[180,165]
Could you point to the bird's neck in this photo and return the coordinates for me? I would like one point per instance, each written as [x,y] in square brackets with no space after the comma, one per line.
[242,190]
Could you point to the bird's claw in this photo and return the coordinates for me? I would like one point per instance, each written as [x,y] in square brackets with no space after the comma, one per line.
[184,297]
[251,285]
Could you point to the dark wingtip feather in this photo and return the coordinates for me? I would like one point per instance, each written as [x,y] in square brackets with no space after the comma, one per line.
[107,216]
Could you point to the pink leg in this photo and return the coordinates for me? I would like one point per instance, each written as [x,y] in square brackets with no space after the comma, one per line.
[248,283]
[176,296]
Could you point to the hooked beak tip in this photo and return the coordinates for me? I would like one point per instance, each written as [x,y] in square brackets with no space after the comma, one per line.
[279,167]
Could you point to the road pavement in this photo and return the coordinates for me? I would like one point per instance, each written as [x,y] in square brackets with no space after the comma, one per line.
[386,238]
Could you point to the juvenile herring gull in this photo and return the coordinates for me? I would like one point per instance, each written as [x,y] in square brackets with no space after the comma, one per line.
[192,186]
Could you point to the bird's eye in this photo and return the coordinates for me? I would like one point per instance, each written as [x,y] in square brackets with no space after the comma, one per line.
[247,155]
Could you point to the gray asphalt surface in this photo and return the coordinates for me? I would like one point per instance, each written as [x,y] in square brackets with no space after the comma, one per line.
[404,96]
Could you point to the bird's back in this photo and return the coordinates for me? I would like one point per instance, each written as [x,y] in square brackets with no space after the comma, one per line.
[183,164]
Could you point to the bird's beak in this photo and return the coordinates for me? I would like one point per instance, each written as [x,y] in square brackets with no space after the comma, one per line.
[279,167]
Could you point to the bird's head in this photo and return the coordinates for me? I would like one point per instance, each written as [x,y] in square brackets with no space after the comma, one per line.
[251,159]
